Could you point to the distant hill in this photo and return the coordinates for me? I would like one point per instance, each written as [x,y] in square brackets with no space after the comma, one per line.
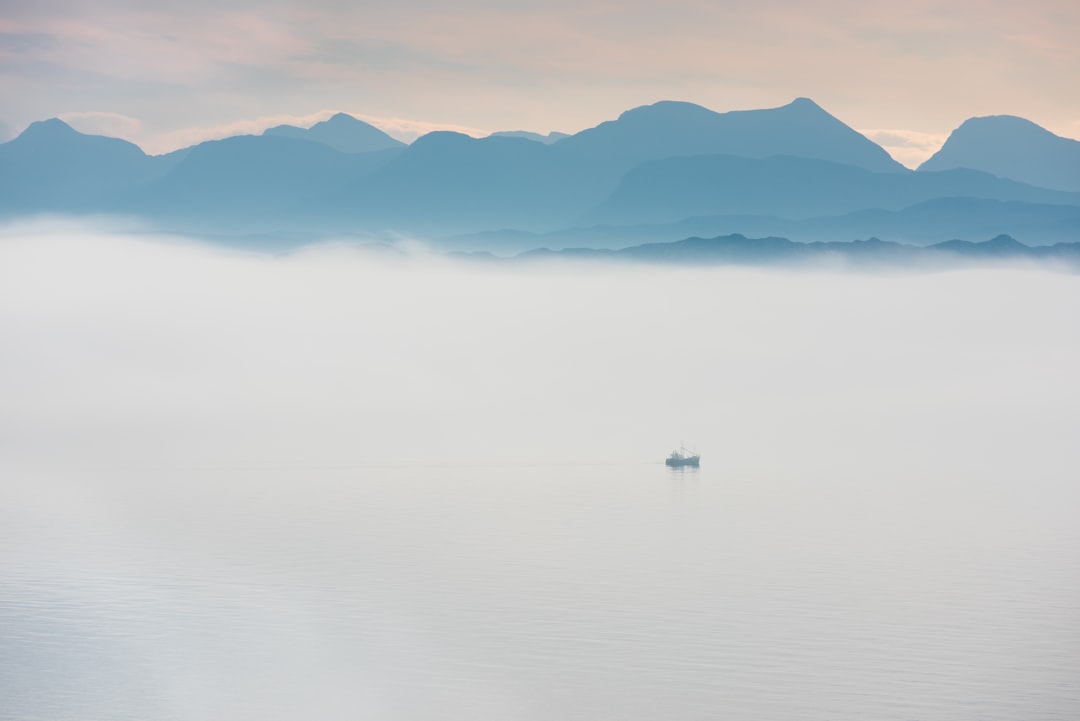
[924,223]
[870,254]
[666,129]
[537,137]
[932,221]
[51,166]
[341,132]
[675,188]
[1011,147]
[447,180]
[251,182]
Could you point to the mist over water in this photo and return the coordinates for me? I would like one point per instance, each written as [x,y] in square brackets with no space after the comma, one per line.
[347,484]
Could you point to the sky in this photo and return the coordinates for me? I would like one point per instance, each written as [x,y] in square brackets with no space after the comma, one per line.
[169,74]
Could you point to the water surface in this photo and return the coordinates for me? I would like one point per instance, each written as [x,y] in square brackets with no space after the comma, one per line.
[323,487]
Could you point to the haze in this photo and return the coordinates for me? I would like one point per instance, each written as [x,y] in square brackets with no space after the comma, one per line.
[128,350]
[351,483]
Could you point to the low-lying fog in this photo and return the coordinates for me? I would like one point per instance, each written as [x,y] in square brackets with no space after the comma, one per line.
[339,484]
[129,351]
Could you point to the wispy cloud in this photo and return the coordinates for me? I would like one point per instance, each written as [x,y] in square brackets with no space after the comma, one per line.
[555,65]
[96,122]
[248,126]
[408,130]
[908,147]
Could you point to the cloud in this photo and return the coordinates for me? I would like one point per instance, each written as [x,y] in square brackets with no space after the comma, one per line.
[249,126]
[116,125]
[908,147]
[409,130]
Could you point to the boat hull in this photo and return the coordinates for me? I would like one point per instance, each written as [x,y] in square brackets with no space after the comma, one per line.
[692,461]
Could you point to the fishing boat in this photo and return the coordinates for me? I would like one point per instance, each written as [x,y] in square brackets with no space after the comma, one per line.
[683,457]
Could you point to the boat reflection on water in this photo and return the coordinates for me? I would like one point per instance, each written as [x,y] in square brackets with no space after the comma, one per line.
[683,458]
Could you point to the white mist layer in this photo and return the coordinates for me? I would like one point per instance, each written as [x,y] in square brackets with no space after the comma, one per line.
[244,487]
[120,350]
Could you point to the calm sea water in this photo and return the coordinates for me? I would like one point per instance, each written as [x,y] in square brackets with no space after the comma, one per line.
[325,487]
[537,592]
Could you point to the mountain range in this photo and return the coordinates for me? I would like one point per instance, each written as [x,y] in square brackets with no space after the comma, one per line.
[648,175]
[340,132]
[924,223]
[867,254]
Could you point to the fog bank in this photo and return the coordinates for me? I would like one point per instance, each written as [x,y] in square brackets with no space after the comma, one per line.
[129,351]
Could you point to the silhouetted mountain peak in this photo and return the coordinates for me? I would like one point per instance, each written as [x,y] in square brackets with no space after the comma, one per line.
[666,109]
[343,121]
[805,108]
[340,131]
[441,138]
[55,137]
[1004,241]
[1010,123]
[676,110]
[341,118]
[1000,246]
[51,128]
[552,137]
[458,155]
[1011,147]
[51,166]
[672,128]
[990,130]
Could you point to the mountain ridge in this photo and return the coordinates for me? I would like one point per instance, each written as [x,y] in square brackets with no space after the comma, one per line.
[872,253]
[924,223]
[340,131]
[51,164]
[791,187]
[672,128]
[653,165]
[1011,147]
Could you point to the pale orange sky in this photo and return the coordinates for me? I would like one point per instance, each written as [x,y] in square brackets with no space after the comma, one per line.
[172,73]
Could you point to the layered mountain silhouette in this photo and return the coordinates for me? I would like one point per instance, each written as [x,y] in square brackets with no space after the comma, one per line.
[340,132]
[223,183]
[51,167]
[873,253]
[527,135]
[925,223]
[667,129]
[1011,147]
[448,180]
[674,188]
[654,173]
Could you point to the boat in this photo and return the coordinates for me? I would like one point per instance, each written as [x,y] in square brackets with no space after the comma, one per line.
[683,457]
